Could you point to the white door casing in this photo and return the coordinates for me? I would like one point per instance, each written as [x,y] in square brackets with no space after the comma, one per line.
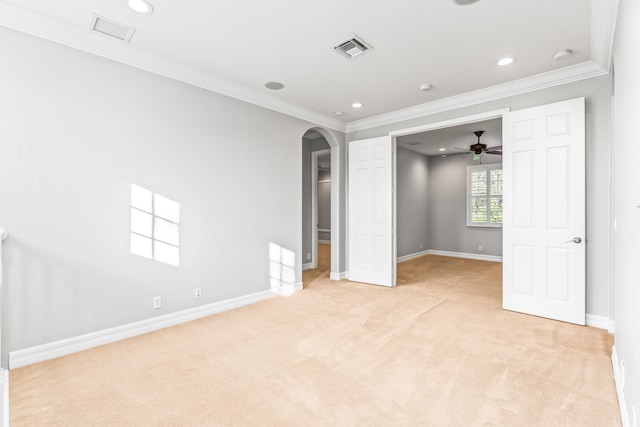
[371,220]
[544,211]
[314,205]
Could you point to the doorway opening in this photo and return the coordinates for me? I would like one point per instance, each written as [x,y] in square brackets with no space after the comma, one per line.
[320,231]
[449,199]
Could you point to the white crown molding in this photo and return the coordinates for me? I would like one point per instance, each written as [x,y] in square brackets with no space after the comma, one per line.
[63,347]
[88,41]
[602,35]
[562,76]
[604,14]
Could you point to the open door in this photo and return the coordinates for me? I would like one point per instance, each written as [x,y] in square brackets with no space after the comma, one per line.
[371,214]
[544,211]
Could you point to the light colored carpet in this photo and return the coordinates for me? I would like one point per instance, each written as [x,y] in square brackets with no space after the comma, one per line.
[435,351]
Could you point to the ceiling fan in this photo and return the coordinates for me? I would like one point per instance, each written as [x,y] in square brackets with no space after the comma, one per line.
[479,148]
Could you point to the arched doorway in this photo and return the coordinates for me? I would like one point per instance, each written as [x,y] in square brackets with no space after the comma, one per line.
[321,225]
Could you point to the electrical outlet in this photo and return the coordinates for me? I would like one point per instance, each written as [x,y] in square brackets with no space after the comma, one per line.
[198,293]
[308,256]
[157,302]
[480,248]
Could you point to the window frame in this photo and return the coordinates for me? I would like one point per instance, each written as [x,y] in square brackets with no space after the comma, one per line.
[486,167]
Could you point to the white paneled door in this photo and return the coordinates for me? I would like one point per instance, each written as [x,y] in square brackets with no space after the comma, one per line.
[544,211]
[371,245]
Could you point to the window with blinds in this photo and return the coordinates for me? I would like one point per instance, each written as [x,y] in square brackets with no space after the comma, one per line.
[484,195]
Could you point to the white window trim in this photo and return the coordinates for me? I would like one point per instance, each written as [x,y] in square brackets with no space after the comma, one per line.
[473,168]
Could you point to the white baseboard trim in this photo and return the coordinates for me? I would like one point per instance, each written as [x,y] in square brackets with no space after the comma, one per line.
[624,415]
[412,256]
[600,322]
[307,266]
[4,391]
[63,347]
[479,257]
[338,276]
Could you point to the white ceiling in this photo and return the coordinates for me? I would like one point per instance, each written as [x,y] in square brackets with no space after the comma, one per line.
[235,47]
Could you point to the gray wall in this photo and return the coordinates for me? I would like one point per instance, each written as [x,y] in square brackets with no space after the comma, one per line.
[598,168]
[75,131]
[412,202]
[448,230]
[324,205]
[308,146]
[626,199]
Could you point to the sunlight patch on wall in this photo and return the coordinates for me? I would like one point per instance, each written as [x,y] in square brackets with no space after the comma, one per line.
[155,221]
[282,271]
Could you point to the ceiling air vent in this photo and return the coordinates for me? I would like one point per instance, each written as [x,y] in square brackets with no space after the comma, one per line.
[352,47]
[112,28]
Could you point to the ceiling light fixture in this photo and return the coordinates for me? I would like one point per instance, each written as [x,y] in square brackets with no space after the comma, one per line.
[274,85]
[357,105]
[338,113]
[506,61]
[425,87]
[141,6]
[561,54]
[442,149]
[463,2]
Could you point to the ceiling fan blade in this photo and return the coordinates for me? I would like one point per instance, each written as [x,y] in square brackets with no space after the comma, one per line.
[461,149]
[494,150]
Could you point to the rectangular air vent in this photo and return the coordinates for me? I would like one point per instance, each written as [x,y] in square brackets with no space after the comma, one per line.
[352,47]
[112,28]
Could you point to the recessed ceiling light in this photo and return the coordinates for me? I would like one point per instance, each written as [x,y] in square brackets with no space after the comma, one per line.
[357,105]
[274,85]
[442,149]
[338,113]
[506,61]
[141,6]
[444,155]
[464,2]
[561,54]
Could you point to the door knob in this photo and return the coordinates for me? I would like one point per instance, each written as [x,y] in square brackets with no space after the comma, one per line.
[575,240]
